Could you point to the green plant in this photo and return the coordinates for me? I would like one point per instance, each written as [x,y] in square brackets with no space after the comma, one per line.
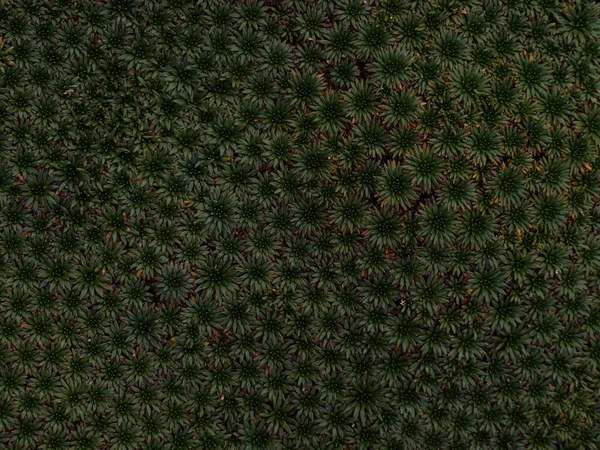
[264,224]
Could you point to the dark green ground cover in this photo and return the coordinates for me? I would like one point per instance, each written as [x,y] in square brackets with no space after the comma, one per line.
[288,224]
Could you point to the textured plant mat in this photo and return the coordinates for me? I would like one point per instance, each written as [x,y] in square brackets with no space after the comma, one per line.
[299,224]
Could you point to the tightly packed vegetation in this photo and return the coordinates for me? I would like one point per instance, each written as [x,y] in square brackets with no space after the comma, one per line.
[299,224]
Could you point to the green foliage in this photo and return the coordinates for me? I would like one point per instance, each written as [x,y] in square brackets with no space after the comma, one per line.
[260,224]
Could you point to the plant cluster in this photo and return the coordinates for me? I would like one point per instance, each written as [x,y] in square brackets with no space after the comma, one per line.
[299,224]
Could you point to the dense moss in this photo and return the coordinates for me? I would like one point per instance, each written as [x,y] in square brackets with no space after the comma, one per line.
[287,224]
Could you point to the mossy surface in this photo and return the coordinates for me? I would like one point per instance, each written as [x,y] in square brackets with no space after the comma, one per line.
[288,224]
